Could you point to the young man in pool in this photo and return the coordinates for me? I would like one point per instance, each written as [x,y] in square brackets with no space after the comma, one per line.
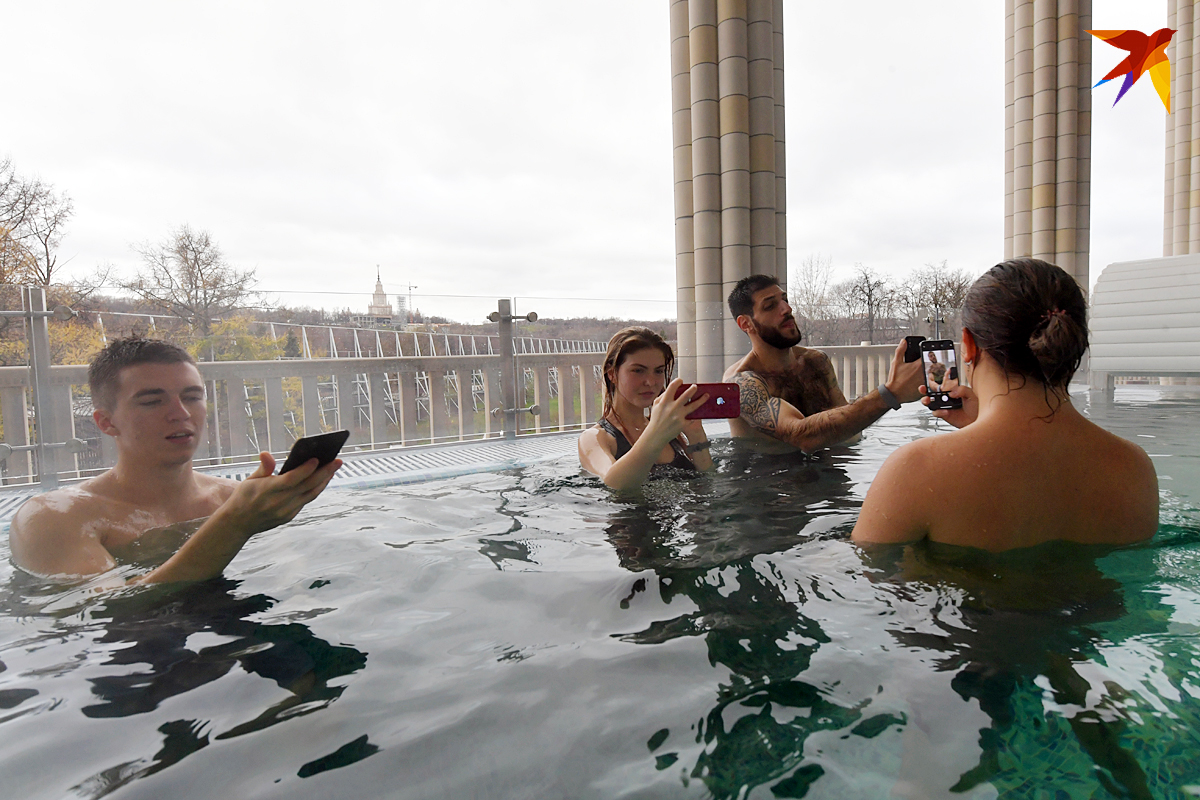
[149,397]
[790,395]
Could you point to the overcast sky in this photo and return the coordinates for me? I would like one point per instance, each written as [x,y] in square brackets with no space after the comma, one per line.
[523,148]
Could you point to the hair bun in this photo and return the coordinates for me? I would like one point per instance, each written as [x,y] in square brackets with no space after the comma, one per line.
[1055,346]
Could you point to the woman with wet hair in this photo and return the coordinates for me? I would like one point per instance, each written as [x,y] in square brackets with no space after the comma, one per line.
[1025,467]
[643,431]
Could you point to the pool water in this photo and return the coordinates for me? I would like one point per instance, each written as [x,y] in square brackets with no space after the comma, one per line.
[527,635]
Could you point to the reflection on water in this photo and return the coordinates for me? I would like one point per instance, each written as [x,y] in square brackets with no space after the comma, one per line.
[1021,634]
[153,645]
[531,634]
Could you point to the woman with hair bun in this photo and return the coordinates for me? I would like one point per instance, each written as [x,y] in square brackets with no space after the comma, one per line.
[1025,467]
[628,445]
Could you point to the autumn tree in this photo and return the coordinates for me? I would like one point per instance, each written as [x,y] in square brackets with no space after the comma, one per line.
[186,275]
[33,219]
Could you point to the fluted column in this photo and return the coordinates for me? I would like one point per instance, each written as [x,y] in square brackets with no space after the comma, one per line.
[706,188]
[1048,132]
[727,115]
[1194,171]
[1045,91]
[1022,244]
[734,90]
[1066,136]
[1181,97]
[1169,171]
[760,50]
[1009,121]
[681,136]
[780,150]
[1083,146]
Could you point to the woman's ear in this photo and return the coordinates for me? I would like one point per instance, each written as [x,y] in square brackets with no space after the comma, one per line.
[969,346]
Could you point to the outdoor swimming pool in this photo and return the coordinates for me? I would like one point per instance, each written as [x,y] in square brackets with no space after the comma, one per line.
[523,634]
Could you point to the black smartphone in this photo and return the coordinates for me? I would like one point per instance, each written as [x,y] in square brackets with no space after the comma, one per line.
[324,447]
[941,373]
[912,349]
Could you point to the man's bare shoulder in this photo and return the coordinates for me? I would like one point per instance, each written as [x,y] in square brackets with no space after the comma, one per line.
[221,487]
[59,532]
[62,505]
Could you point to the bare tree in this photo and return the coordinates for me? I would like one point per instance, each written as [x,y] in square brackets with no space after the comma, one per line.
[810,292]
[873,294]
[934,290]
[186,275]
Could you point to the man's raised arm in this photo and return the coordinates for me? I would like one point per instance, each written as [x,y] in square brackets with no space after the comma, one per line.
[781,420]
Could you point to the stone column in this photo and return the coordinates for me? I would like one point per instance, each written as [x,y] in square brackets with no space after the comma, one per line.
[706,188]
[1194,172]
[1048,132]
[681,140]
[727,115]
[1181,102]
[1169,170]
[781,270]
[734,90]
[760,49]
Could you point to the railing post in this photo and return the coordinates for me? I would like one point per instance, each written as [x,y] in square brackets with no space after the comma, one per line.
[15,413]
[347,416]
[310,400]
[235,392]
[44,402]
[541,395]
[439,417]
[378,401]
[277,436]
[407,383]
[508,371]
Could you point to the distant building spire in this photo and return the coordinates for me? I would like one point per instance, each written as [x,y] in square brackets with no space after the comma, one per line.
[380,307]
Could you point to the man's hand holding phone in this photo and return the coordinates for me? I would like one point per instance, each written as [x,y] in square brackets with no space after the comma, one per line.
[905,377]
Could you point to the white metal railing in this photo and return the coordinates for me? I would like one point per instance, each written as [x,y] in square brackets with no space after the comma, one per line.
[384,401]
[384,342]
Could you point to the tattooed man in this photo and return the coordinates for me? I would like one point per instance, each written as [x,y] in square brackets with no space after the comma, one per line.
[790,395]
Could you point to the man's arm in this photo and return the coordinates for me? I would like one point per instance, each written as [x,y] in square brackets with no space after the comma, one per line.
[781,420]
[259,503]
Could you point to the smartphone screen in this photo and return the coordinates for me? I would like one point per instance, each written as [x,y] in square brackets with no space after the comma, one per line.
[941,373]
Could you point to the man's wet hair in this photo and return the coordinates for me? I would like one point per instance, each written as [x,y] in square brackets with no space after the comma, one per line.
[106,366]
[741,299]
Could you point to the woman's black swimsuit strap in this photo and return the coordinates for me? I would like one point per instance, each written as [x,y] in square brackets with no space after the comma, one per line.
[681,460]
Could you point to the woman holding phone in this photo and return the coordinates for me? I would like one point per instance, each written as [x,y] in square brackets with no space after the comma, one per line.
[1025,467]
[628,445]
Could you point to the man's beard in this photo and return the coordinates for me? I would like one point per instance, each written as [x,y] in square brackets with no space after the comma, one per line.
[773,337]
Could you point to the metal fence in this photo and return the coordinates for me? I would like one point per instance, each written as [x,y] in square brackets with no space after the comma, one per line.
[453,391]
[456,392]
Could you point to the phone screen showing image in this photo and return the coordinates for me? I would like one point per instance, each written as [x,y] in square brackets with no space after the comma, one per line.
[941,373]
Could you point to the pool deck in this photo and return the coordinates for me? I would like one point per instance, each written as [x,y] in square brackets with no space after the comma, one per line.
[398,465]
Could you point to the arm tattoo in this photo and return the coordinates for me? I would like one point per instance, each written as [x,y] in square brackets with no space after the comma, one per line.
[759,408]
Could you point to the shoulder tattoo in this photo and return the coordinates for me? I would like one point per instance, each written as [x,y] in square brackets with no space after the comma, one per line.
[759,408]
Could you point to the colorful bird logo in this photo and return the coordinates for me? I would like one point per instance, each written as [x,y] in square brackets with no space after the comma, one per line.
[1146,54]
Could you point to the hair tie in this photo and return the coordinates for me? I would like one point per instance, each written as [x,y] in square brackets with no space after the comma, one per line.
[1052,313]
